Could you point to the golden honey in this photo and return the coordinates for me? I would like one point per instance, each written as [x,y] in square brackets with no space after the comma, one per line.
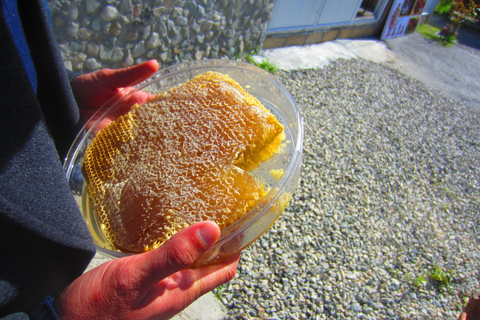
[181,158]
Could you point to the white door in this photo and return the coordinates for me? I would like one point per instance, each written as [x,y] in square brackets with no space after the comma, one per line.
[295,13]
[301,15]
[338,11]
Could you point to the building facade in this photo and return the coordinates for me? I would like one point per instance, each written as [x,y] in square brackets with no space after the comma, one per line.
[303,22]
[94,34]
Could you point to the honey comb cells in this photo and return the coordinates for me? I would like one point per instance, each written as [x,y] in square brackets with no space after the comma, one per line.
[181,158]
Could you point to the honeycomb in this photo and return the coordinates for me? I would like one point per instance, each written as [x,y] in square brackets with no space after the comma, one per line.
[180,158]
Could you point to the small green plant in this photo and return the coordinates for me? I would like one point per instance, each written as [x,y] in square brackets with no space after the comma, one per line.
[268,65]
[420,281]
[265,64]
[218,292]
[249,58]
[433,33]
[440,276]
[255,51]
[435,276]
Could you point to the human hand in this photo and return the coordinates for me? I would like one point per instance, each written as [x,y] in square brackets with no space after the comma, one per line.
[154,285]
[93,90]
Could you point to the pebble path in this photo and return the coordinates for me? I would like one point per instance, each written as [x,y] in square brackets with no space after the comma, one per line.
[384,223]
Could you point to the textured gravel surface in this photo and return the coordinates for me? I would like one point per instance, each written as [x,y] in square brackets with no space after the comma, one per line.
[384,223]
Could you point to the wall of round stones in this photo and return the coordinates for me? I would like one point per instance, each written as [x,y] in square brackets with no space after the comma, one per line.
[94,34]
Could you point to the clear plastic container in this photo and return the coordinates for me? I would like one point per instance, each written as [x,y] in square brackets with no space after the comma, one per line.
[259,83]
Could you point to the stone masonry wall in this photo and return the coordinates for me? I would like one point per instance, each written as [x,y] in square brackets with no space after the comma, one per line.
[94,34]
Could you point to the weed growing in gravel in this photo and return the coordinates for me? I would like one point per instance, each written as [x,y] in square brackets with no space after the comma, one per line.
[218,292]
[436,276]
[432,33]
[265,64]
[442,277]
[420,281]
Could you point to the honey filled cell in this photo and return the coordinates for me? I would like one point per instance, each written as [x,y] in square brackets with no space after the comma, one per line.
[181,158]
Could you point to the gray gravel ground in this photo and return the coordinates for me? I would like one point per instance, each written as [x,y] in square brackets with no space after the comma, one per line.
[389,197]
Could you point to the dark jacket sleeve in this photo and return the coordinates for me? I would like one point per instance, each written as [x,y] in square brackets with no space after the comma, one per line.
[44,243]
[54,93]
[44,311]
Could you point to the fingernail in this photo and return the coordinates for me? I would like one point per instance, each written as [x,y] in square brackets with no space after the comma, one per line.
[207,235]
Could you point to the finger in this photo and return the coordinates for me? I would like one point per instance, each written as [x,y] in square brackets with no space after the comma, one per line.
[209,277]
[174,255]
[184,287]
[204,279]
[128,76]
[138,97]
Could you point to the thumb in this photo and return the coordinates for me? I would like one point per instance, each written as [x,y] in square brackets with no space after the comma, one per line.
[125,77]
[176,254]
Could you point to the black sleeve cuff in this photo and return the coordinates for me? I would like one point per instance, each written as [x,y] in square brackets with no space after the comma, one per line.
[45,311]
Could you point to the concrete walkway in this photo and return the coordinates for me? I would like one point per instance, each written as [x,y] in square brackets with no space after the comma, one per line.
[320,55]
[454,71]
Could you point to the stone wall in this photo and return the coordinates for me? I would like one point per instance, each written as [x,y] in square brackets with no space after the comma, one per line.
[94,34]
